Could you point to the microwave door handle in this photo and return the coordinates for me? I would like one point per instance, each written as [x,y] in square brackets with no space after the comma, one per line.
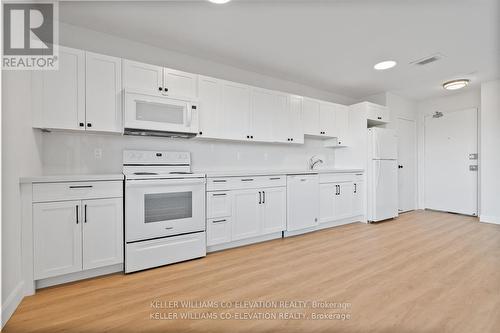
[189,117]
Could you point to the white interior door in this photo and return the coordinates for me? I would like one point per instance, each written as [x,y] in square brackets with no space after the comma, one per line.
[406,164]
[451,162]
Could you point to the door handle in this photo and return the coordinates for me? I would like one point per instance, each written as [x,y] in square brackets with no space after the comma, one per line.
[219,221]
[218,194]
[85,213]
[263,196]
[77,214]
[260,197]
[80,186]
[340,192]
[355,187]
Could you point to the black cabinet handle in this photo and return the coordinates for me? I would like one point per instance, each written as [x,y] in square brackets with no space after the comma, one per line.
[85,213]
[260,197]
[379,117]
[81,124]
[81,186]
[247,180]
[166,89]
[219,221]
[355,188]
[201,133]
[160,88]
[219,181]
[275,178]
[89,125]
[219,194]
[340,192]
[263,196]
[77,214]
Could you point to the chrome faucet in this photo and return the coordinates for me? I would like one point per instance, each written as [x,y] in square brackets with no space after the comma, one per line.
[313,162]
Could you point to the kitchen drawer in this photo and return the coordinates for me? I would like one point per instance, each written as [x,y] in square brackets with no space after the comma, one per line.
[164,251]
[337,177]
[358,177]
[236,183]
[219,204]
[77,190]
[218,231]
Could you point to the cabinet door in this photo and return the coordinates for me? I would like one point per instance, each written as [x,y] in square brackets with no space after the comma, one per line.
[264,105]
[218,231]
[103,87]
[210,114]
[141,77]
[296,131]
[283,129]
[358,199]
[310,117]
[236,110]
[57,236]
[327,194]
[180,84]
[273,210]
[327,118]
[102,232]
[246,214]
[218,204]
[343,201]
[59,96]
[341,124]
[377,113]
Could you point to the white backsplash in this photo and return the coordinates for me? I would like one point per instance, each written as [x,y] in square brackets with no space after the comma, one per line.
[84,153]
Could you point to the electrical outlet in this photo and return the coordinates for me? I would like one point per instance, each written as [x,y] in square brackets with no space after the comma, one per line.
[98,153]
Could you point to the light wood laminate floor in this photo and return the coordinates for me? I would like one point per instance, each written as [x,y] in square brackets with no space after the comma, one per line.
[423,272]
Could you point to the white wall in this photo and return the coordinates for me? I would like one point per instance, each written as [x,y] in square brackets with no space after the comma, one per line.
[490,152]
[457,101]
[20,157]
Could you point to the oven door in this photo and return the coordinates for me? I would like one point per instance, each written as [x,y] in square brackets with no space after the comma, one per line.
[159,113]
[163,207]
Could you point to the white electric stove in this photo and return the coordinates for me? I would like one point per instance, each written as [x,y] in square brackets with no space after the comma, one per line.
[164,209]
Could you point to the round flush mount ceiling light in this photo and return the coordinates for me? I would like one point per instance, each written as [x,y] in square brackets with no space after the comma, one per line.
[385,65]
[456,84]
[219,2]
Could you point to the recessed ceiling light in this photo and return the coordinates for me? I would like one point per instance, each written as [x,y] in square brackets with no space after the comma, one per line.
[219,1]
[456,84]
[385,65]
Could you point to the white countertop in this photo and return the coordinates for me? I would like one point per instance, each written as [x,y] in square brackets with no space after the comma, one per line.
[239,173]
[71,178]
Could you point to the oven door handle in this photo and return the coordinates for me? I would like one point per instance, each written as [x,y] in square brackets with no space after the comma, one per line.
[163,182]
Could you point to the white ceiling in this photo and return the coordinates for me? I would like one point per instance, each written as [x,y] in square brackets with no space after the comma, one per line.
[331,45]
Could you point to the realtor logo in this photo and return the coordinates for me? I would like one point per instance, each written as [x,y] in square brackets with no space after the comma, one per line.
[29,35]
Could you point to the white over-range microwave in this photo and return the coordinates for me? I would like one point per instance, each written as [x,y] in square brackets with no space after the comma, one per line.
[146,114]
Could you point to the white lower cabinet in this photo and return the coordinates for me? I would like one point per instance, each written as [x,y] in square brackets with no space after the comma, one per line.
[246,214]
[341,197]
[248,207]
[273,210]
[75,235]
[102,232]
[358,207]
[57,238]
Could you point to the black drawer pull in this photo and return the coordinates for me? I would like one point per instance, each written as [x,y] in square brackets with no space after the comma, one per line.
[275,178]
[218,194]
[80,186]
[219,181]
[247,180]
[219,221]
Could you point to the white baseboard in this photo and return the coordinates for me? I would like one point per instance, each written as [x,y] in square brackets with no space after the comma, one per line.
[11,303]
[48,282]
[489,219]
[244,242]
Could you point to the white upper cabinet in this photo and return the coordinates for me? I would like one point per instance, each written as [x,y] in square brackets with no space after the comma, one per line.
[236,111]
[318,118]
[341,131]
[59,95]
[141,77]
[310,114]
[180,84]
[265,105]
[151,79]
[296,131]
[103,86]
[211,113]
[327,119]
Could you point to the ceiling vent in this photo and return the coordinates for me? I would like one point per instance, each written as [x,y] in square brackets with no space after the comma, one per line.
[427,60]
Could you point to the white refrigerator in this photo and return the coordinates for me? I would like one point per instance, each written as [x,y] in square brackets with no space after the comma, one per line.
[382,175]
